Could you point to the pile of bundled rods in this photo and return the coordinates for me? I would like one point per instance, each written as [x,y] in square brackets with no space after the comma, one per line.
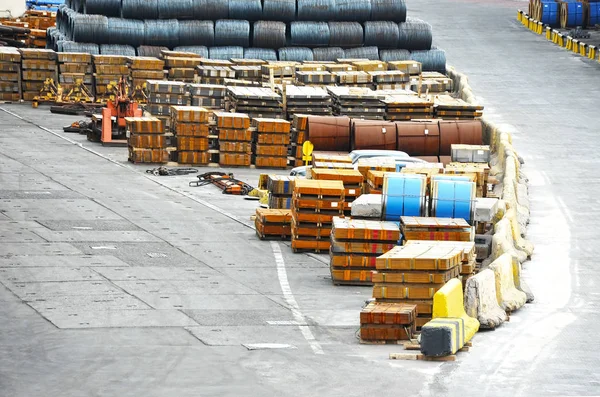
[291,30]
[12,36]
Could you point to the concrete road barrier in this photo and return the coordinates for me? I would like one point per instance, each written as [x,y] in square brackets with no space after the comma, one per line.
[442,337]
[481,300]
[521,284]
[448,302]
[519,242]
[502,242]
[509,297]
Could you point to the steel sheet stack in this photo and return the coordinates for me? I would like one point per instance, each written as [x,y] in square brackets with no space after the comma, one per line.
[352,179]
[235,138]
[181,66]
[191,129]
[306,100]
[10,74]
[146,68]
[279,72]
[146,140]
[298,136]
[390,80]
[315,78]
[250,73]
[387,322]
[108,69]
[37,65]
[411,68]
[281,188]
[375,180]
[407,106]
[214,74]
[164,94]
[353,79]
[257,102]
[357,102]
[449,108]
[314,205]
[437,229]
[433,82]
[412,274]
[271,141]
[355,246]
[73,66]
[273,223]
[365,166]
[209,96]
[480,170]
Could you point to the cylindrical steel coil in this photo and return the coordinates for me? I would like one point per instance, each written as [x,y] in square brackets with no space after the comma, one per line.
[250,10]
[373,134]
[126,31]
[394,55]
[149,51]
[404,195]
[226,53]
[383,34]
[452,199]
[139,9]
[279,10]
[353,10]
[196,49]
[371,53]
[90,29]
[266,54]
[297,54]
[71,46]
[414,34]
[196,33]
[388,10]
[117,49]
[328,54]
[175,9]
[109,8]
[210,10]
[268,34]
[310,34]
[464,132]
[329,133]
[345,34]
[316,10]
[433,60]
[232,32]
[161,32]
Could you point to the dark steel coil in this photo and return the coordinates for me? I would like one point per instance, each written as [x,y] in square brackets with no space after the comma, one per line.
[371,53]
[126,31]
[226,53]
[196,33]
[369,135]
[149,51]
[310,34]
[296,54]
[250,10]
[269,34]
[109,8]
[232,32]
[433,60]
[414,34]
[161,32]
[210,9]
[175,9]
[77,5]
[316,10]
[279,10]
[139,9]
[117,49]
[345,34]
[328,54]
[394,55]
[90,29]
[266,54]
[383,34]
[196,49]
[71,46]
[353,10]
[329,133]
[388,10]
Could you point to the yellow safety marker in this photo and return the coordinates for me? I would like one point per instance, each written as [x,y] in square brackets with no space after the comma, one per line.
[583,49]
[569,43]
[540,28]
[548,33]
[591,52]
[575,47]
[519,15]
[307,149]
[560,40]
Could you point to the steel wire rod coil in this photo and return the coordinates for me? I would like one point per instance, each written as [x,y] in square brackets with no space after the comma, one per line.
[117,49]
[232,32]
[126,31]
[90,28]
[394,55]
[250,10]
[195,49]
[345,34]
[161,32]
[175,9]
[71,46]
[309,34]
[266,54]
[353,10]
[383,34]
[296,54]
[109,8]
[149,51]
[210,9]
[279,10]
[226,52]
[269,34]
[370,53]
[139,9]
[433,60]
[316,10]
[415,34]
[328,54]
[196,33]
[388,10]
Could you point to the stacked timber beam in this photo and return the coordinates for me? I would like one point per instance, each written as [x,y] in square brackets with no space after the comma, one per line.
[10,74]
[273,223]
[190,124]
[270,146]
[234,137]
[38,65]
[147,141]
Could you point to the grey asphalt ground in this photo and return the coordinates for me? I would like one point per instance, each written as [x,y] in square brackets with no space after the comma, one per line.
[116,282]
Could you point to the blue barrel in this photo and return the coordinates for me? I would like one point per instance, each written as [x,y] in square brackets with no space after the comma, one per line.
[550,13]
[403,195]
[453,199]
[594,14]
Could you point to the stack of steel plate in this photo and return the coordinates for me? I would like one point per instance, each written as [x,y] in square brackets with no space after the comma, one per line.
[108,70]
[447,107]
[208,74]
[280,188]
[73,66]
[312,78]
[433,82]
[357,102]
[298,136]
[270,143]
[481,172]
[407,106]
[164,94]
[181,66]
[210,96]
[190,124]
[146,140]
[382,322]
[273,224]
[255,101]
[235,138]
[437,229]
[10,74]
[37,66]
[352,180]
[305,100]
[144,69]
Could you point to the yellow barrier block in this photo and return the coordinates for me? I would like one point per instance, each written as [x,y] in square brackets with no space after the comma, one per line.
[540,28]
[519,15]
[554,36]
[583,49]
[591,52]
[560,40]
[575,47]
[509,297]
[442,337]
[548,33]
[448,303]
[569,43]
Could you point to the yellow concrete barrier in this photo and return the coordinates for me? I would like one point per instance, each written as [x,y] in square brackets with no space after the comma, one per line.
[509,297]
[583,49]
[519,15]
[548,33]
[481,300]
[448,303]
[575,46]
[591,52]
[503,243]
[569,43]
[519,242]
[442,337]
[540,28]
